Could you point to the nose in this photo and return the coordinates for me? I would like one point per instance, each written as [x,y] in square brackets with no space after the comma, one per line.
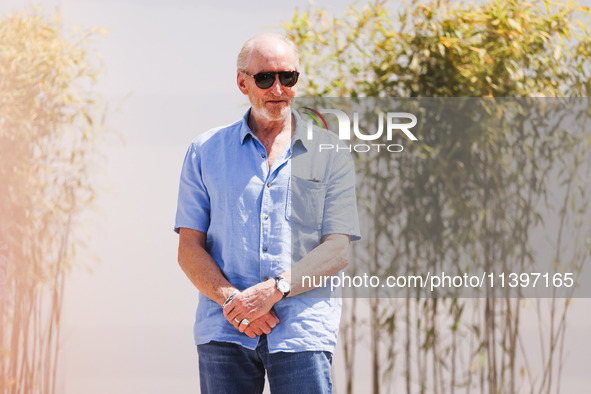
[277,88]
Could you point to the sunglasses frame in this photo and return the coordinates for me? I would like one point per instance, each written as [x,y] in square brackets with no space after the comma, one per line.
[275,74]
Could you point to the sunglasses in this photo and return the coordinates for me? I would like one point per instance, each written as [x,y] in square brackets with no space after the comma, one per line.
[265,80]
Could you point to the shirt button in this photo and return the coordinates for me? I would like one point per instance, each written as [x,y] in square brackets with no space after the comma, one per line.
[266,278]
[269,184]
[265,249]
[263,156]
[266,217]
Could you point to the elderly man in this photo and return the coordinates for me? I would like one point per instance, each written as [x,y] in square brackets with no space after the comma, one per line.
[241,198]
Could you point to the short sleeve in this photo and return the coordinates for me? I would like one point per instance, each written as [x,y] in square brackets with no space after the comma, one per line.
[193,207]
[340,204]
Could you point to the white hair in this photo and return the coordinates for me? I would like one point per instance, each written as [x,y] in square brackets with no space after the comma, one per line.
[246,51]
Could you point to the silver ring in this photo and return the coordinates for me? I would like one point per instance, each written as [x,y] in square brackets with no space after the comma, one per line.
[237,321]
[245,322]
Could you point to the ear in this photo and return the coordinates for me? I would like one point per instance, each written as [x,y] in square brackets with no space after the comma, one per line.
[241,82]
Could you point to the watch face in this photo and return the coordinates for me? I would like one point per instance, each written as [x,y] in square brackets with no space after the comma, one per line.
[283,286]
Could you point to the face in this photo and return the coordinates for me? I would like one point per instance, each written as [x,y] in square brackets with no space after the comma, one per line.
[274,103]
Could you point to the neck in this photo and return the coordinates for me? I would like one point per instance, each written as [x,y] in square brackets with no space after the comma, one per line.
[269,129]
[274,135]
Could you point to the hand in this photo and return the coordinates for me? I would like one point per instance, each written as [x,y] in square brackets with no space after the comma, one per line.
[251,304]
[262,325]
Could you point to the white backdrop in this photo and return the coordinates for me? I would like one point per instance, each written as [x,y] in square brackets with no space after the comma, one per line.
[170,75]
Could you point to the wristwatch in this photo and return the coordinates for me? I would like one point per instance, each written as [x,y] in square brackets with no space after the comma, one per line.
[282,285]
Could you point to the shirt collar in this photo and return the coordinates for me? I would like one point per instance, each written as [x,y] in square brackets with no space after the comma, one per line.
[245,131]
[299,139]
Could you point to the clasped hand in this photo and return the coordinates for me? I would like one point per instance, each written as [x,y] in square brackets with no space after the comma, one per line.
[253,304]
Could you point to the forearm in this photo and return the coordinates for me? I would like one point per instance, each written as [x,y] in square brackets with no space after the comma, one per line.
[331,256]
[328,258]
[200,267]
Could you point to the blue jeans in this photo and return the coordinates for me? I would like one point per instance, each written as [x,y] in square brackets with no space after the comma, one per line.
[227,368]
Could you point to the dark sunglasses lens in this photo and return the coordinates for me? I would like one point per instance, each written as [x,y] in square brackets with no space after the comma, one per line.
[264,80]
[288,78]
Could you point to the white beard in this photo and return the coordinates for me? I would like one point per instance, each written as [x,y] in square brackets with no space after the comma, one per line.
[273,117]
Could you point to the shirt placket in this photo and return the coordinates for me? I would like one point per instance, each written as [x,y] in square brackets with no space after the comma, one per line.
[268,215]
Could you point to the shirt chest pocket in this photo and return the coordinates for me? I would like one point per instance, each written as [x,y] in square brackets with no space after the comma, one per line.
[305,202]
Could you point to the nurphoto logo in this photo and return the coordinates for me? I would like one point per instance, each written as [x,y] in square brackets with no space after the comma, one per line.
[392,120]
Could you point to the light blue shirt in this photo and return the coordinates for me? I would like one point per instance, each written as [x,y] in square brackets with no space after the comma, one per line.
[228,192]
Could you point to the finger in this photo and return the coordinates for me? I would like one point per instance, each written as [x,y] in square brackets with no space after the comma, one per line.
[250,333]
[271,320]
[234,315]
[227,309]
[275,316]
[259,326]
[242,327]
[234,322]
[232,309]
